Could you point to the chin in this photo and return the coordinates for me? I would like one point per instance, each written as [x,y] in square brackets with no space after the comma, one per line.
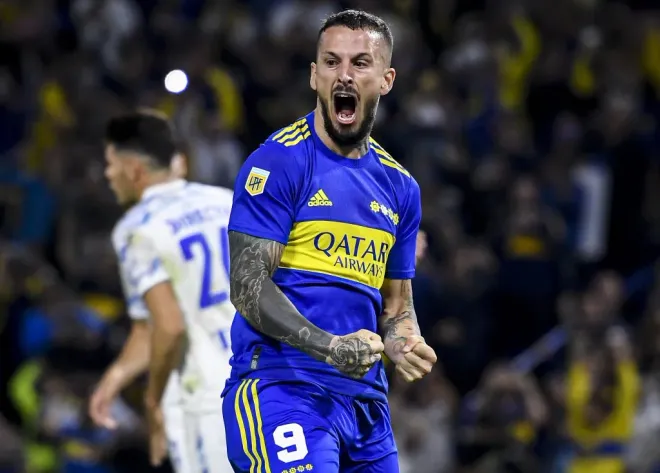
[346,130]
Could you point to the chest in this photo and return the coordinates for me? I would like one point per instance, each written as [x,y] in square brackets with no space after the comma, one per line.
[351,196]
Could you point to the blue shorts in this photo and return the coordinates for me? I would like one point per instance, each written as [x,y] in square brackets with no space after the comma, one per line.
[281,427]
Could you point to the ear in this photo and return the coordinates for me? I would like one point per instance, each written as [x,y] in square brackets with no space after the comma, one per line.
[312,76]
[133,169]
[388,81]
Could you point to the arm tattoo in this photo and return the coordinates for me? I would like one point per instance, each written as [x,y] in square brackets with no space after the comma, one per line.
[262,303]
[258,299]
[398,326]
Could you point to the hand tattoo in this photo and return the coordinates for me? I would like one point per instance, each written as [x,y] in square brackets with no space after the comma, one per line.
[262,303]
[352,355]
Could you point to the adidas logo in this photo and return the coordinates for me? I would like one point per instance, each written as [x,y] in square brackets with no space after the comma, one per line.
[319,200]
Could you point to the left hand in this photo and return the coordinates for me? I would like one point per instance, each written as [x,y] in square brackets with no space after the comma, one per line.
[157,437]
[416,359]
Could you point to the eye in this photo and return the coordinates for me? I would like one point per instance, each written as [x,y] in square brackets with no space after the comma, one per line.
[362,63]
[331,62]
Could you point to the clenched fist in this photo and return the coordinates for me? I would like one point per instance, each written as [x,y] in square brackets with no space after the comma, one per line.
[354,354]
[414,359]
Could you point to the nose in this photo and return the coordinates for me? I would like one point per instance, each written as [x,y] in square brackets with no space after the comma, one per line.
[346,74]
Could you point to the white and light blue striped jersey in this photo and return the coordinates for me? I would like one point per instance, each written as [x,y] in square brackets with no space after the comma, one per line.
[178,233]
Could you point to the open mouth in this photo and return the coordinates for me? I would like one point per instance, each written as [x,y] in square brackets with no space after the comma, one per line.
[345,107]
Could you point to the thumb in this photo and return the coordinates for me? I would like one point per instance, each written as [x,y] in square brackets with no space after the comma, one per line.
[410,344]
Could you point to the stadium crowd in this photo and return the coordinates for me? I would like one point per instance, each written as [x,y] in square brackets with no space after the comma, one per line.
[531,127]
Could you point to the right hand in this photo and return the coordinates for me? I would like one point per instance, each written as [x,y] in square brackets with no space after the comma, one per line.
[354,354]
[101,402]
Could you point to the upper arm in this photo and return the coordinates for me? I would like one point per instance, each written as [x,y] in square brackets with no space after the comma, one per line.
[163,306]
[141,269]
[252,260]
[251,254]
[265,195]
[402,258]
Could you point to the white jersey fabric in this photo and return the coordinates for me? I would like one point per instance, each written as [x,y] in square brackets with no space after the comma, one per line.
[178,233]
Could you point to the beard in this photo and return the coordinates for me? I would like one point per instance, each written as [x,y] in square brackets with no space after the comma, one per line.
[344,137]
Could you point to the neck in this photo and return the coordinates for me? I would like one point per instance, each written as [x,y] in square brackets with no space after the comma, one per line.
[160,177]
[351,152]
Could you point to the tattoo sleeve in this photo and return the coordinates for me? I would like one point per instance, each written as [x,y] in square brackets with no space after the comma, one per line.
[262,303]
[398,321]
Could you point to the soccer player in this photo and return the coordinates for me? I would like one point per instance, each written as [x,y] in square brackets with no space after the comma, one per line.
[322,237]
[172,247]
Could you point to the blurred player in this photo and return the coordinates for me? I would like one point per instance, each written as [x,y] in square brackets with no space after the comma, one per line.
[173,254]
[323,235]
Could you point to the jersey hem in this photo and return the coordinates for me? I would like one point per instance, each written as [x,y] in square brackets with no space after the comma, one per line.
[335,384]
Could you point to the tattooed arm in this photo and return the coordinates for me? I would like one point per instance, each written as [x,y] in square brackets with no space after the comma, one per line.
[258,299]
[404,345]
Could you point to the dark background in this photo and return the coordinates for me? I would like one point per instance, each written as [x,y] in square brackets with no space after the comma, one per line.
[531,126]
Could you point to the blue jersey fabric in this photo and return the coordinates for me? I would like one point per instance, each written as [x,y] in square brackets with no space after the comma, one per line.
[347,225]
[275,426]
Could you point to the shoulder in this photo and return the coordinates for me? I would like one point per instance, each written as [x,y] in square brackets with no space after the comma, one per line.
[144,218]
[284,154]
[289,146]
[133,218]
[220,194]
[400,177]
[294,135]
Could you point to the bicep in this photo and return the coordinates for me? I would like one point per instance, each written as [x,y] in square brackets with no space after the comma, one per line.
[250,254]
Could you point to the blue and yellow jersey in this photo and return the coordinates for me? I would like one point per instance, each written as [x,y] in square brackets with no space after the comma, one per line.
[347,225]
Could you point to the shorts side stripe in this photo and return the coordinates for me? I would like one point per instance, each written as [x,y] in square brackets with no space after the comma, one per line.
[257,414]
[241,424]
[253,433]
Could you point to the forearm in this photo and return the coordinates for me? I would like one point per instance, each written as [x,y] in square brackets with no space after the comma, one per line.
[262,304]
[166,350]
[398,321]
[133,359]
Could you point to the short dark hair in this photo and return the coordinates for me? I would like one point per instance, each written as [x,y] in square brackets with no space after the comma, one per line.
[145,132]
[358,20]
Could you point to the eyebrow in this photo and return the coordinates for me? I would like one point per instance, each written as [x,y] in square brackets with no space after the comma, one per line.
[363,55]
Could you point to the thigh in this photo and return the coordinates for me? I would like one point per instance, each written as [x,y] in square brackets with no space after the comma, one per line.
[387,464]
[175,428]
[272,426]
[212,443]
[373,449]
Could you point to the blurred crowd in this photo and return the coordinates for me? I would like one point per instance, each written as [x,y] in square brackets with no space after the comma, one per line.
[532,128]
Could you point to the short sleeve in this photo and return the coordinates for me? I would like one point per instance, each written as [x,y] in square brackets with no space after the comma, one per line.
[265,194]
[401,261]
[141,268]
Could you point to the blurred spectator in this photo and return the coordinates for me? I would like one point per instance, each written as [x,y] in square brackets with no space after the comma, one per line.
[501,421]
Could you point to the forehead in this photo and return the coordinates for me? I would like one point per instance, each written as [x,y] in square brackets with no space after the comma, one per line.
[341,40]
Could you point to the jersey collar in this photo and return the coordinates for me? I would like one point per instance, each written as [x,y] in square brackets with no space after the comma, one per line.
[163,188]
